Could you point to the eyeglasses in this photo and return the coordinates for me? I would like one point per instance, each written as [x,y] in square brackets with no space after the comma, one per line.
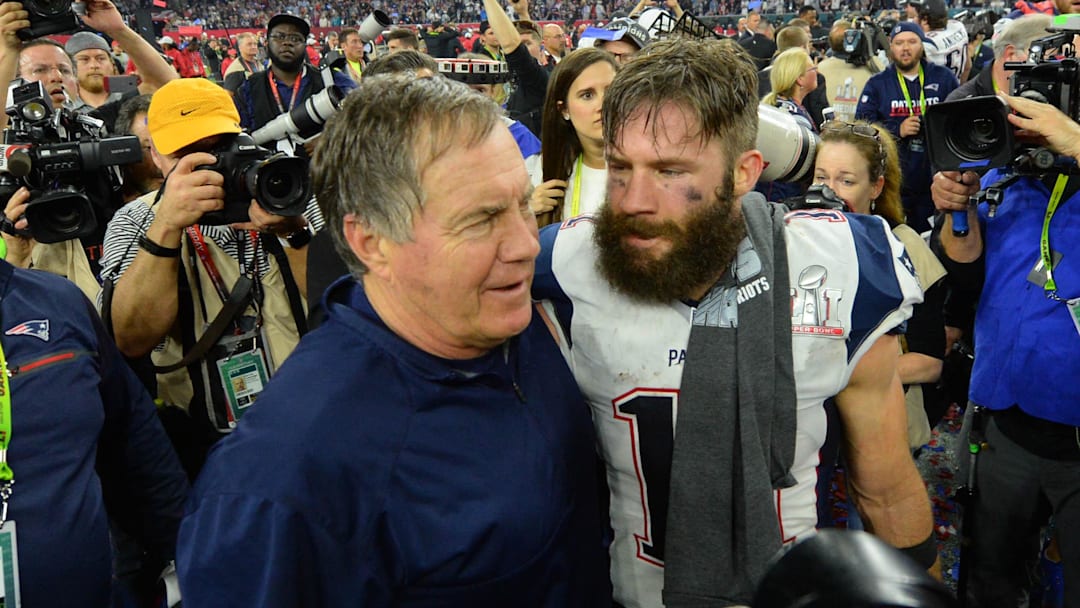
[858,128]
[290,38]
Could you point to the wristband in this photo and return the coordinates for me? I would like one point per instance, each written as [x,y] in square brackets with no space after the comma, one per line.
[924,553]
[157,250]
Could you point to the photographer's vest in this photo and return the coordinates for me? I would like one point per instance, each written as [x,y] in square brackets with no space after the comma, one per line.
[67,259]
[929,270]
[278,321]
[262,99]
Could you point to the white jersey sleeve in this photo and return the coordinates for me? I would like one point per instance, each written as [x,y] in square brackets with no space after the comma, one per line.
[850,282]
[949,47]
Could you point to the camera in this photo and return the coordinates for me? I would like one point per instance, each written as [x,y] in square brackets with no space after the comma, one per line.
[61,158]
[975,135]
[862,41]
[788,146]
[304,121]
[978,22]
[48,17]
[818,196]
[279,183]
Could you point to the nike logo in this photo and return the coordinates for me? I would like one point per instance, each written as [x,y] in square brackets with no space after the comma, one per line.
[183,113]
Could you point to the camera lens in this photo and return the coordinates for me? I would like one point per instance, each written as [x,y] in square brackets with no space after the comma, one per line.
[975,138]
[49,7]
[280,184]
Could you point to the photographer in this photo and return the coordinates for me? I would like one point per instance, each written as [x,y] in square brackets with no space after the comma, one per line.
[47,62]
[174,274]
[1027,256]
[288,82]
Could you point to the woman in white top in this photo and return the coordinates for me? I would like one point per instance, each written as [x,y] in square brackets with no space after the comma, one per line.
[572,139]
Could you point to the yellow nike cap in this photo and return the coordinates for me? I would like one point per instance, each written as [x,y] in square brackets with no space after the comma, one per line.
[187,110]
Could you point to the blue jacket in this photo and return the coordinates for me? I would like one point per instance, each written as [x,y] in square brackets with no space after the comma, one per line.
[1027,346]
[374,474]
[883,101]
[85,436]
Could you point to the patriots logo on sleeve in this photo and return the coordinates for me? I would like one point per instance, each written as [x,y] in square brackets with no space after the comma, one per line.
[905,261]
[39,328]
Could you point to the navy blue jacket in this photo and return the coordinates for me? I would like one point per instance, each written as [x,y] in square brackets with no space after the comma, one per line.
[375,474]
[85,437]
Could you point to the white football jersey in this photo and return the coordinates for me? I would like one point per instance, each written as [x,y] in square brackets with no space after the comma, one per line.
[851,282]
[949,47]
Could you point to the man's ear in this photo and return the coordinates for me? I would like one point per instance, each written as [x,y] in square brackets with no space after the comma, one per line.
[373,250]
[748,169]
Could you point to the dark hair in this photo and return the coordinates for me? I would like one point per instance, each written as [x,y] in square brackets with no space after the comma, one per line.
[129,110]
[559,141]
[714,81]
[405,34]
[349,31]
[402,61]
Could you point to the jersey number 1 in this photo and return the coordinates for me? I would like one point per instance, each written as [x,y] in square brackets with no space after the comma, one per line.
[650,414]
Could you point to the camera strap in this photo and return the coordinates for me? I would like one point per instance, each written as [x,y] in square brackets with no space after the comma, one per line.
[295,92]
[292,290]
[1044,238]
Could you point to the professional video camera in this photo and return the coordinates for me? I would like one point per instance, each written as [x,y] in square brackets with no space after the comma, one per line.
[49,17]
[278,182]
[975,135]
[60,157]
[862,41]
[978,22]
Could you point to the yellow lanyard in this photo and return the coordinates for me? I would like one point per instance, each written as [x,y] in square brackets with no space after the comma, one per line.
[1044,239]
[575,201]
[7,476]
[907,96]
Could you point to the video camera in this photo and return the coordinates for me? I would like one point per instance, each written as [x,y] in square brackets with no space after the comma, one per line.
[975,134]
[60,157]
[49,17]
[978,22]
[278,182]
[862,41]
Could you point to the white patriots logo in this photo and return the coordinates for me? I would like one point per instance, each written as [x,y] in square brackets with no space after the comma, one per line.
[39,328]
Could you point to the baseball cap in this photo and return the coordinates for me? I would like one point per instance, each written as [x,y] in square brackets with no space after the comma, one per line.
[933,8]
[620,29]
[300,24]
[189,109]
[908,26]
[166,40]
[85,40]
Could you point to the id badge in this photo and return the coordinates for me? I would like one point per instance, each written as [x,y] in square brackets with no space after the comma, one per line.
[916,145]
[1074,312]
[9,567]
[243,377]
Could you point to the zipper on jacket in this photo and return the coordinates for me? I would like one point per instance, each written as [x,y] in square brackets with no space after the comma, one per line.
[43,362]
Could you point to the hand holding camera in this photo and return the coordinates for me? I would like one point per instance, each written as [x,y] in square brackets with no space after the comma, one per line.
[13,18]
[1043,124]
[19,246]
[190,192]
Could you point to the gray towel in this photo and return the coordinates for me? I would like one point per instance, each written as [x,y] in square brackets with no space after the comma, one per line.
[735,434]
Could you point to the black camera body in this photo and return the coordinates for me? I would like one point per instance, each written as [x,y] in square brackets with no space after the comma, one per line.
[48,17]
[279,183]
[818,196]
[862,41]
[974,134]
[60,157]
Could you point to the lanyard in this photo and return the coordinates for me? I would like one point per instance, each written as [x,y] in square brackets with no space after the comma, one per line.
[354,70]
[7,476]
[575,202]
[295,91]
[1044,239]
[907,96]
[199,243]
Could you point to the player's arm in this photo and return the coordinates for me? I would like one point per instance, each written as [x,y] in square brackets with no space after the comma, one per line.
[885,485]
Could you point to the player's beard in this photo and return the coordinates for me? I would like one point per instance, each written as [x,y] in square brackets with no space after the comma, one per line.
[700,251]
[93,83]
[291,67]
